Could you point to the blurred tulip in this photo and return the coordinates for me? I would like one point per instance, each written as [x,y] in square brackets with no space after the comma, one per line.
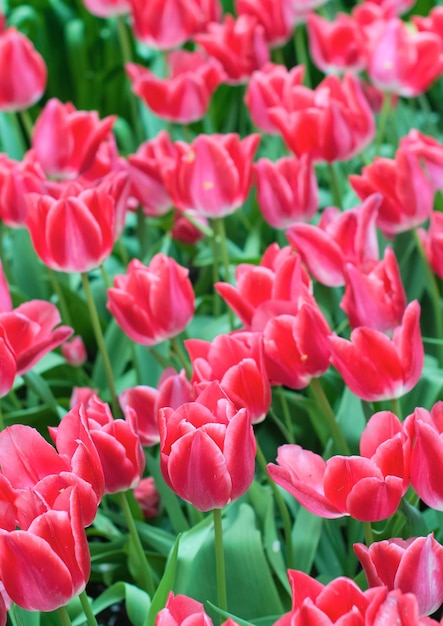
[413,566]
[51,557]
[147,497]
[8,365]
[32,330]
[238,44]
[277,286]
[287,190]
[429,151]
[152,303]
[24,74]
[340,237]
[166,25]
[81,394]
[82,133]
[212,175]
[407,193]
[75,233]
[432,240]
[185,230]
[183,97]
[5,296]
[375,367]
[207,449]
[107,8]
[393,7]
[236,361]
[337,46]
[276,17]
[431,23]
[331,123]
[16,179]
[269,87]
[74,351]
[374,295]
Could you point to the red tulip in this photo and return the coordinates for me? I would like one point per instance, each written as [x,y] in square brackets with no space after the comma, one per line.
[207,449]
[395,607]
[5,296]
[277,18]
[74,351]
[152,303]
[407,194]
[413,566]
[337,46]
[82,133]
[24,74]
[212,175]
[107,8]
[375,367]
[166,25]
[287,190]
[147,497]
[44,567]
[432,240]
[238,44]
[183,97]
[180,610]
[75,233]
[374,296]
[16,179]
[186,231]
[236,361]
[331,123]
[431,23]
[393,7]
[430,153]
[8,364]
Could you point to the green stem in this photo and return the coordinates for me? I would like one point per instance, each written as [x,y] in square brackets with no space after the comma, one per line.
[220,560]
[146,580]
[383,120]
[105,276]
[87,610]
[142,232]
[101,344]
[396,408]
[2,425]
[287,526]
[220,241]
[64,616]
[161,360]
[434,294]
[301,52]
[27,124]
[215,275]
[369,535]
[66,317]
[335,186]
[326,412]
[286,414]
[176,348]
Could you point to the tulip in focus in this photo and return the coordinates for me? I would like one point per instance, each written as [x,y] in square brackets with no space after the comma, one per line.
[82,133]
[23,75]
[183,97]
[212,175]
[287,190]
[180,609]
[238,44]
[207,449]
[340,237]
[413,566]
[375,367]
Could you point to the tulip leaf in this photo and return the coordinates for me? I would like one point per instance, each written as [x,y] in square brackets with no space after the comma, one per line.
[118,349]
[21,617]
[351,418]
[11,137]
[27,270]
[136,601]
[305,544]
[165,586]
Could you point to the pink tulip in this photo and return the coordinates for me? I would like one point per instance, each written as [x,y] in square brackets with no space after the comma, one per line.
[277,18]
[147,497]
[207,449]
[180,610]
[107,8]
[430,153]
[74,351]
[432,240]
[18,178]
[152,303]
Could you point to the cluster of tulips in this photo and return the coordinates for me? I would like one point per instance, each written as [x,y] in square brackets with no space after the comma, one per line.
[218,320]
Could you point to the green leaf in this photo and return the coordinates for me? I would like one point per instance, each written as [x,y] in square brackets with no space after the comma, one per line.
[137,603]
[306,535]
[165,586]
[20,617]
[118,348]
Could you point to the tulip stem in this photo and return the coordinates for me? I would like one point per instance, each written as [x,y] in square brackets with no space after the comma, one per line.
[383,120]
[396,408]
[66,317]
[87,609]
[335,186]
[144,571]
[27,124]
[286,414]
[176,348]
[301,53]
[220,243]
[287,526]
[101,343]
[64,616]
[220,560]
[369,535]
[325,410]
[2,424]
[434,294]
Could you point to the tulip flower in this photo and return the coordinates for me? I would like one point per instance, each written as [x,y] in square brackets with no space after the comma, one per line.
[374,296]
[238,44]
[395,607]
[16,179]
[24,74]
[331,123]
[413,566]
[32,330]
[212,175]
[403,62]
[186,231]
[339,238]
[154,27]
[408,196]
[8,364]
[277,18]
[207,449]
[44,567]
[107,8]
[430,153]
[269,87]
[393,7]
[276,286]
[337,46]
[432,240]
[82,133]
[180,609]
[375,367]
[152,303]
[75,233]
[5,296]
[147,497]
[367,487]
[287,190]
[236,361]
[74,351]
[183,97]
[431,23]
